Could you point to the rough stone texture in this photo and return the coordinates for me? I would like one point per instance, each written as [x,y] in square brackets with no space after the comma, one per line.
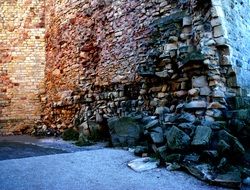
[234,47]
[22,63]
[202,136]
[95,50]
[174,66]
[177,139]
[110,58]
[125,131]
[234,19]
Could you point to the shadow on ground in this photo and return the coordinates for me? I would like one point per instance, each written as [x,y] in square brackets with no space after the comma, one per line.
[15,150]
[16,147]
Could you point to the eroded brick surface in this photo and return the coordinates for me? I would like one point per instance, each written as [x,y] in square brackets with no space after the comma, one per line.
[22,61]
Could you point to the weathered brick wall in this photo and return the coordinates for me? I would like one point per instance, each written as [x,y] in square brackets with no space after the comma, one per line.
[65,35]
[22,62]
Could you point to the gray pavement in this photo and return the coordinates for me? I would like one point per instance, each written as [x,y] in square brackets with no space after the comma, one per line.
[96,169]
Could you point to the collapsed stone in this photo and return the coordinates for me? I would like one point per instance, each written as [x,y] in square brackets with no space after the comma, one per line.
[202,136]
[125,131]
[177,139]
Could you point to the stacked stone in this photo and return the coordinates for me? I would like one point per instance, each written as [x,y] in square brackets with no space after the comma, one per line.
[95,56]
[209,152]
[232,16]
[185,86]
[234,61]
[95,48]
[164,66]
[192,68]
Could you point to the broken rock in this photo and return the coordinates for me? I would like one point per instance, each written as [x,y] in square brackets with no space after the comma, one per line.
[177,139]
[199,81]
[196,105]
[143,164]
[125,131]
[156,137]
[229,178]
[201,171]
[186,118]
[202,136]
[236,146]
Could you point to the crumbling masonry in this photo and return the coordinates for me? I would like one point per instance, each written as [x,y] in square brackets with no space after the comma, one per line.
[176,71]
[114,57]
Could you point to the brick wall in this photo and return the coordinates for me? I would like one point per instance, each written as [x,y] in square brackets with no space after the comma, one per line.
[22,62]
[108,58]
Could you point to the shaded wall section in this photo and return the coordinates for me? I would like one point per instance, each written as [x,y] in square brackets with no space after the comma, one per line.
[22,62]
[236,24]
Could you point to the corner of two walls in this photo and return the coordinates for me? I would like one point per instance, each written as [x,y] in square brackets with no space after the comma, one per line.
[95,50]
[234,17]
[235,24]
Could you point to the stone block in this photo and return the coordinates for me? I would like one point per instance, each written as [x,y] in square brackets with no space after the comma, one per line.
[187,21]
[218,31]
[216,22]
[125,131]
[196,105]
[177,139]
[200,81]
[202,136]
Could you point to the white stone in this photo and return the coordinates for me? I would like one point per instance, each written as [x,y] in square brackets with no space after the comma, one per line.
[143,164]
[220,41]
[200,81]
[162,74]
[196,104]
[210,43]
[187,21]
[217,11]
[215,22]
[218,31]
[205,91]
[169,47]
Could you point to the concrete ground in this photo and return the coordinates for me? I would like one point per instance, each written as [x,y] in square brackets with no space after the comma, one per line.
[92,168]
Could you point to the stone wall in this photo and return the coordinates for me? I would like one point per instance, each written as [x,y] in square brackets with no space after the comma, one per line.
[96,49]
[235,23]
[22,62]
[234,16]
[113,57]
